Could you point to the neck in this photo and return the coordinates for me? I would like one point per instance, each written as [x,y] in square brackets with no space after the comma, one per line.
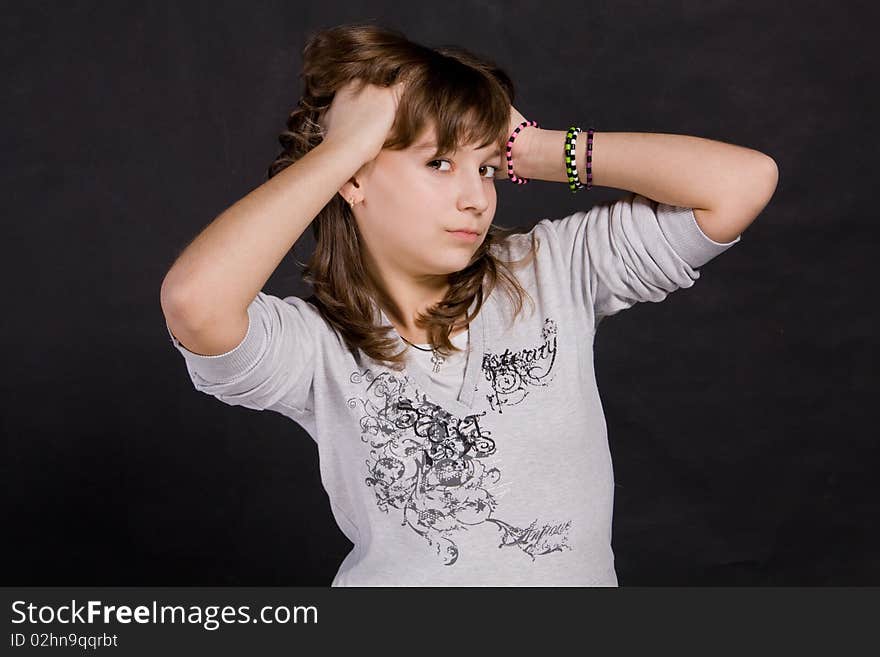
[407,297]
[407,309]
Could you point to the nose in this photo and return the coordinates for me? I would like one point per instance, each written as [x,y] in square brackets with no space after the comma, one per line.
[474,194]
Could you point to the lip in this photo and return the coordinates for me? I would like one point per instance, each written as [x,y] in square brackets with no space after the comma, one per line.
[464,235]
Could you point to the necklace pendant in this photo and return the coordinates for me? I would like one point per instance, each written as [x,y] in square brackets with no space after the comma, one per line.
[437,359]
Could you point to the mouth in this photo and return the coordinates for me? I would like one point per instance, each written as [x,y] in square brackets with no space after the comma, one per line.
[468,235]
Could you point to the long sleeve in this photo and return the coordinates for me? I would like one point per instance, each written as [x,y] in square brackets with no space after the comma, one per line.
[273,364]
[630,250]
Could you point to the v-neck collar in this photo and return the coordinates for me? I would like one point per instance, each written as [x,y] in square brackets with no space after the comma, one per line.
[464,403]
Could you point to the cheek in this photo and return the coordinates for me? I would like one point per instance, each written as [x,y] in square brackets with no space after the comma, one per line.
[406,207]
[399,232]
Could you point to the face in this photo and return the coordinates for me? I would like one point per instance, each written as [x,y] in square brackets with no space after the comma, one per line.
[410,202]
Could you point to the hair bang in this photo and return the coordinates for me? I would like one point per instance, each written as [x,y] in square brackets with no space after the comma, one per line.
[464,106]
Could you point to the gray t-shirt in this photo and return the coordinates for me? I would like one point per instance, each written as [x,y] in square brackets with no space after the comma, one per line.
[449,375]
[509,482]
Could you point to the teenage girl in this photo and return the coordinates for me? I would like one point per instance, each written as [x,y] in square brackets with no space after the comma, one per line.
[461,437]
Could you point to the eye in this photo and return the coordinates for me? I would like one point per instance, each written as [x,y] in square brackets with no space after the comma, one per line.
[433,162]
[494,170]
[485,166]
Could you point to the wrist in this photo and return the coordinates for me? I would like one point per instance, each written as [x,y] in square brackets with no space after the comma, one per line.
[541,155]
[522,152]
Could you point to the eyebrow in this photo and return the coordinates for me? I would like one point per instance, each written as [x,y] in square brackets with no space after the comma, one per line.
[432,146]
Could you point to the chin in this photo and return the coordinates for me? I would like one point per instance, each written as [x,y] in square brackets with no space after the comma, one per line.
[452,265]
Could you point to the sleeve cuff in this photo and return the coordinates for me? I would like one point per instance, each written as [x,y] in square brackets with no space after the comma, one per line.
[239,359]
[680,227]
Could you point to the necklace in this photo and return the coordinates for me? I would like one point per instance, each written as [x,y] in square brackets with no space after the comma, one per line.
[436,357]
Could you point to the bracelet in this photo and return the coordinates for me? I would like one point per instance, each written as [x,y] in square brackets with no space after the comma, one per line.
[590,132]
[510,174]
[574,182]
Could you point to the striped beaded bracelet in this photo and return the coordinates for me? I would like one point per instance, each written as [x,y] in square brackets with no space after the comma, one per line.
[510,174]
[574,182]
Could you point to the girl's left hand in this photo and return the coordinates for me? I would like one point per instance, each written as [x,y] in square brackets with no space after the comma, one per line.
[520,146]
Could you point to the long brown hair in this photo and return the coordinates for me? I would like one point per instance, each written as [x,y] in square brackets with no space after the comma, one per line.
[467,99]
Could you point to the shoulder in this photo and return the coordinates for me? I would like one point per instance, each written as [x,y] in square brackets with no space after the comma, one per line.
[518,244]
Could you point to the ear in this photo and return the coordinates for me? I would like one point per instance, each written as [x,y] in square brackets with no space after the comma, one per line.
[353,189]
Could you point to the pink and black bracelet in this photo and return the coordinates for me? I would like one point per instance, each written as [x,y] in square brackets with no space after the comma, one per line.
[510,174]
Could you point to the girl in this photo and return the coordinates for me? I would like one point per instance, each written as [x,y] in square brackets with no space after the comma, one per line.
[461,436]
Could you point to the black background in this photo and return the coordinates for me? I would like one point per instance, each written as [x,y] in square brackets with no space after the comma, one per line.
[739,411]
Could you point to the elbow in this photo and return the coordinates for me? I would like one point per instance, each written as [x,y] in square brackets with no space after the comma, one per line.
[172,298]
[756,183]
[765,183]
[730,218]
[771,179]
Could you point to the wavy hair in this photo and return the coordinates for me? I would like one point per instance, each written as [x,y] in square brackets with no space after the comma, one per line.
[467,99]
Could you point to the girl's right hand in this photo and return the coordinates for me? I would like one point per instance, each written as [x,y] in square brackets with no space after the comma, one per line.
[361,118]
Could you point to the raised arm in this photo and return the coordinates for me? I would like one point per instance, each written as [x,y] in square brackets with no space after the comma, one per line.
[206,292]
[726,185]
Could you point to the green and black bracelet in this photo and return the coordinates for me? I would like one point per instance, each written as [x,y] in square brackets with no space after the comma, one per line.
[574,183]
